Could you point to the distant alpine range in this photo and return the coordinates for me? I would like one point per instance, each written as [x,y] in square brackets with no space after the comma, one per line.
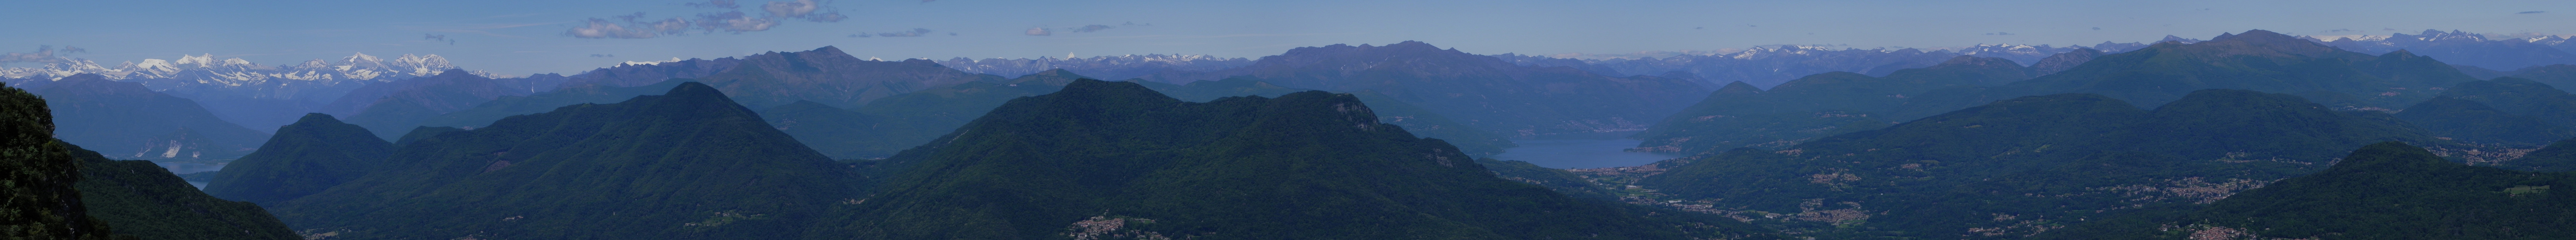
[2244,135]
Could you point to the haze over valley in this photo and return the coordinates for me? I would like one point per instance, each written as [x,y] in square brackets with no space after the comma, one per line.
[1402,120]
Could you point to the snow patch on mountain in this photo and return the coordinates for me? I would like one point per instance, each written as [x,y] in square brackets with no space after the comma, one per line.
[673,60]
[2494,51]
[206,69]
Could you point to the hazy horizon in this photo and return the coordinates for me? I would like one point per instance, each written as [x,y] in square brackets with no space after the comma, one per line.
[518,38]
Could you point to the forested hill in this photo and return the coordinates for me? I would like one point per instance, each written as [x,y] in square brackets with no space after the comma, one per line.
[313,154]
[1821,105]
[687,164]
[42,203]
[2254,60]
[1740,115]
[882,127]
[1117,160]
[56,190]
[2021,166]
[2383,191]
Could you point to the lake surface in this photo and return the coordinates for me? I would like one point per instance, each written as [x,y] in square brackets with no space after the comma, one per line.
[1581,153]
[194,167]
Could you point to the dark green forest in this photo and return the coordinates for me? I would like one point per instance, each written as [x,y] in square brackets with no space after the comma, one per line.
[687,164]
[2252,135]
[315,153]
[61,191]
[1304,165]
[2027,165]
[2383,191]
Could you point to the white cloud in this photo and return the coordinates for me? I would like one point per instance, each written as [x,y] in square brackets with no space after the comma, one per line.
[797,8]
[803,9]
[43,54]
[602,28]
[735,22]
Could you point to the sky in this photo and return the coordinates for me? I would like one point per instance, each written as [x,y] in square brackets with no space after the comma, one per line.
[527,37]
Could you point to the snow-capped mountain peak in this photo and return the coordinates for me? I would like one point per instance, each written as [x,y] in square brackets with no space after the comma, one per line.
[361,60]
[2435,35]
[419,65]
[316,64]
[238,62]
[673,60]
[1780,50]
[419,61]
[159,66]
[207,60]
[207,70]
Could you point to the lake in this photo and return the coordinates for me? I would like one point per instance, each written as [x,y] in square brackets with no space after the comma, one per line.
[188,167]
[1581,153]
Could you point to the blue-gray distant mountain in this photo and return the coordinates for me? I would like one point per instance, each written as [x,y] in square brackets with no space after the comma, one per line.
[1833,103]
[1771,65]
[1100,67]
[2027,165]
[823,75]
[647,73]
[2464,48]
[1766,66]
[1480,91]
[826,75]
[2255,60]
[395,107]
[358,100]
[127,120]
[892,124]
[255,95]
[1740,115]
[2063,61]
[2562,43]
[2553,74]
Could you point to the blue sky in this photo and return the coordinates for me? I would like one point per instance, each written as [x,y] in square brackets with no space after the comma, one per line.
[523,37]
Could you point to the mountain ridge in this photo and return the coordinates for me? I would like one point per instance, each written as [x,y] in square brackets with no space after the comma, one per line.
[689,163]
[130,120]
[2041,160]
[309,156]
[1115,140]
[1482,91]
